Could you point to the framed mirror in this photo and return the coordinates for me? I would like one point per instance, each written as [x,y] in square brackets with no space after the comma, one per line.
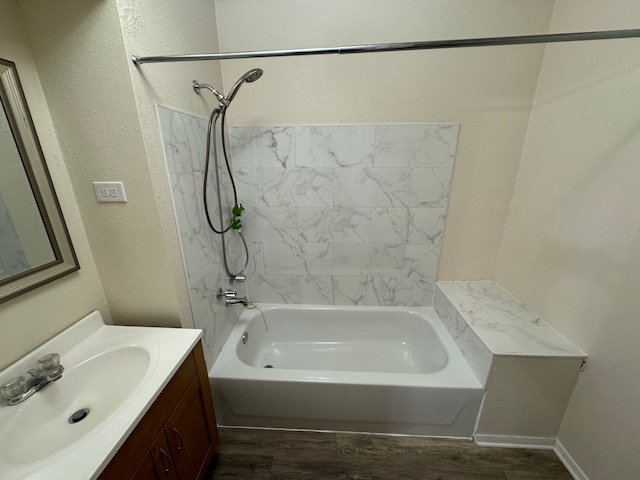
[35,247]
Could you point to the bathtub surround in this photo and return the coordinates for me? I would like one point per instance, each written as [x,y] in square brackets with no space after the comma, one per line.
[344,215]
[184,145]
[501,321]
[475,351]
[529,370]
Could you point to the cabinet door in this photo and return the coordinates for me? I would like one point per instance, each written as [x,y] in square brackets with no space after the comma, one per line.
[146,470]
[157,464]
[189,434]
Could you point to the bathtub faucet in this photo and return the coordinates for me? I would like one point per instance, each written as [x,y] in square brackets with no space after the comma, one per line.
[231,298]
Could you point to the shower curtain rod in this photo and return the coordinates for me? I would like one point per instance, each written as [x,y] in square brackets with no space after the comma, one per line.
[394,47]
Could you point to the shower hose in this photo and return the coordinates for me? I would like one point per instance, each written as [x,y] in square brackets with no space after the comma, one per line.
[220,113]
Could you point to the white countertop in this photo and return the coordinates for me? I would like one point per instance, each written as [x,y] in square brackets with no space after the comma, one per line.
[85,457]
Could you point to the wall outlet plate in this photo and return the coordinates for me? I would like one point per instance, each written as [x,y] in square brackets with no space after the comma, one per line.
[110,191]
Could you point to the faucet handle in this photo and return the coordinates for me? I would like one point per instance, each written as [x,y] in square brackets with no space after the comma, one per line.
[240,278]
[14,388]
[49,361]
[226,293]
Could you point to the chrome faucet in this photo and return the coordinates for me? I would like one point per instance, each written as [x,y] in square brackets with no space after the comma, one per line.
[18,389]
[231,302]
[231,298]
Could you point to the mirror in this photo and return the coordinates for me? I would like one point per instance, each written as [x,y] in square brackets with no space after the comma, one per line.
[35,247]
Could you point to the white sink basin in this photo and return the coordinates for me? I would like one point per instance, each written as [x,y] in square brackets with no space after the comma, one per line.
[114,372]
[100,384]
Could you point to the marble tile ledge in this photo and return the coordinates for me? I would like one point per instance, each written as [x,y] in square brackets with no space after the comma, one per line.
[485,310]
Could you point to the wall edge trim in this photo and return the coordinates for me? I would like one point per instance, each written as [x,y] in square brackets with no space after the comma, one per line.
[567,460]
[515,441]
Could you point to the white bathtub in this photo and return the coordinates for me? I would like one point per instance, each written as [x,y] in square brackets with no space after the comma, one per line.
[371,369]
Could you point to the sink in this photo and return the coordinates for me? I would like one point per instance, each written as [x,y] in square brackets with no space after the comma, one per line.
[100,384]
[114,373]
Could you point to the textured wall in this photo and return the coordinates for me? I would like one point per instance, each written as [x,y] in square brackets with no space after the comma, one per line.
[571,250]
[487,90]
[168,27]
[103,108]
[80,55]
[527,396]
[33,318]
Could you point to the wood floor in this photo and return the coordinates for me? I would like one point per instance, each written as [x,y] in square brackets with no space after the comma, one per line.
[282,455]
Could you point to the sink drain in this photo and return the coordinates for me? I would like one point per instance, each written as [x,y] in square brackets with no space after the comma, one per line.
[79,415]
[268,366]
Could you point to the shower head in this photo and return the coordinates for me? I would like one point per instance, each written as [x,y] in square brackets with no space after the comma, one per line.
[249,77]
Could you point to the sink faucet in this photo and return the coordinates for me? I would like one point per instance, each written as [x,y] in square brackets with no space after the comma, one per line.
[231,298]
[18,389]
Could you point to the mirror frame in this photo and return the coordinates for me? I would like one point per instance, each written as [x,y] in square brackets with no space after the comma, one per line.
[24,132]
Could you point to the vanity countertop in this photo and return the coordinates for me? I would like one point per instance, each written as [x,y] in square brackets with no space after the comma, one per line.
[116,372]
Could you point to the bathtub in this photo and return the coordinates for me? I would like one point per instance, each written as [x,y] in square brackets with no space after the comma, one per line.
[364,369]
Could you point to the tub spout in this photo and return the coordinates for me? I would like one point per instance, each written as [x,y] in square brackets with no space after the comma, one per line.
[231,302]
[231,298]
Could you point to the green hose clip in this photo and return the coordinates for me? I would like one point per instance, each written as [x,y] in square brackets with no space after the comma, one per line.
[237,213]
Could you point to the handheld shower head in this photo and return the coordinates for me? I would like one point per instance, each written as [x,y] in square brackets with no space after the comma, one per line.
[249,77]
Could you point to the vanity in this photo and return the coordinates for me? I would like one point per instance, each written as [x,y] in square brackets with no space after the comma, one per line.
[177,438]
[132,403]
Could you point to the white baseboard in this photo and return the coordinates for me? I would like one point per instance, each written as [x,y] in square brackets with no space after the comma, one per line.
[568,461]
[511,441]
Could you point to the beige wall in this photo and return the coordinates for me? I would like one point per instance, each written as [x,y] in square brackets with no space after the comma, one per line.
[153,27]
[571,249]
[29,320]
[104,114]
[488,90]
[527,396]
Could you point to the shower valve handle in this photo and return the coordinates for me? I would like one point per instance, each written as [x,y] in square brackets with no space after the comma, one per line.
[226,293]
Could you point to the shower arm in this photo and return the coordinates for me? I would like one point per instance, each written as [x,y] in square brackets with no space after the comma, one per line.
[403,46]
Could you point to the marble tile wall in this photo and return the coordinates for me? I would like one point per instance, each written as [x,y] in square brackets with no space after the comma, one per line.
[345,215]
[486,321]
[475,351]
[183,138]
[504,323]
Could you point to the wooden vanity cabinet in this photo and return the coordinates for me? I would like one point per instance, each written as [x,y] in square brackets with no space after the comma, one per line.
[157,464]
[177,438]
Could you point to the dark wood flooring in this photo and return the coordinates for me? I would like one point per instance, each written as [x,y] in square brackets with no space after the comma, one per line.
[254,454]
